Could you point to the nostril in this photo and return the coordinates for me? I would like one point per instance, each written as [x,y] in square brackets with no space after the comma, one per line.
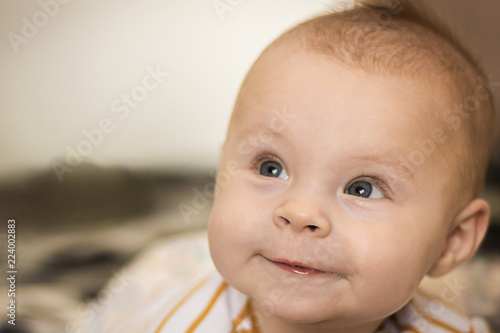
[284,221]
[312,227]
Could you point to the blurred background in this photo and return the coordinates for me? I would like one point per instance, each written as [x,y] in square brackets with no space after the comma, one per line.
[111,117]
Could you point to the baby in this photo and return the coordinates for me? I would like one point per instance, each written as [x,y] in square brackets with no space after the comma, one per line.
[352,166]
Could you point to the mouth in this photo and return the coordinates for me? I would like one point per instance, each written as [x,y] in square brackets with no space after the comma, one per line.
[295,267]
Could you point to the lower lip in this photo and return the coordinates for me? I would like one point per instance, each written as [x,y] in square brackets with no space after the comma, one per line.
[296,269]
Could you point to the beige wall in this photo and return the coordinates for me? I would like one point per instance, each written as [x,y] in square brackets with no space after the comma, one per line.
[477,26]
[69,72]
[72,72]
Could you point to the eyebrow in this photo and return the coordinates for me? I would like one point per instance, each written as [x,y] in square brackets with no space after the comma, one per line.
[396,162]
[255,129]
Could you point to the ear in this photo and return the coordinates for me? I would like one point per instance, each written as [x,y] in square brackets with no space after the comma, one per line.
[463,239]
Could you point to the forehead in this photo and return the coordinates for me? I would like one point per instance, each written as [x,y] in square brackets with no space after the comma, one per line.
[315,96]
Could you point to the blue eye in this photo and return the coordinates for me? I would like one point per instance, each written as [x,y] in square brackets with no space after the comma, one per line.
[364,189]
[272,169]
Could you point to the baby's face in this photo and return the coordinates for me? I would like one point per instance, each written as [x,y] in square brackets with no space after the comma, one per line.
[315,217]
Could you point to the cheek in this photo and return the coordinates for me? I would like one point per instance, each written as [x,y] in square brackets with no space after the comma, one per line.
[237,230]
[235,227]
[394,256]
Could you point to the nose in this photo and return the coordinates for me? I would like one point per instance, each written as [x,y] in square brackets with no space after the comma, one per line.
[303,213]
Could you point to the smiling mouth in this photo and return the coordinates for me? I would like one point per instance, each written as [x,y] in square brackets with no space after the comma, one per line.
[295,267]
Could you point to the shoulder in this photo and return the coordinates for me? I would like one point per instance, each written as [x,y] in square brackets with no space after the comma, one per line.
[427,312]
[152,284]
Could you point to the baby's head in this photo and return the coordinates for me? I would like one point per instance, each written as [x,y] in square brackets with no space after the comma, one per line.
[351,169]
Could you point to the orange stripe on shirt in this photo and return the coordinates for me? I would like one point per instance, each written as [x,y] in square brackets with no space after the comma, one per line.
[435,298]
[243,314]
[433,320]
[253,319]
[189,294]
[207,309]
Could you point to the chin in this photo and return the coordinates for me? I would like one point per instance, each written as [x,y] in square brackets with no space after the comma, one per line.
[295,312]
[309,317]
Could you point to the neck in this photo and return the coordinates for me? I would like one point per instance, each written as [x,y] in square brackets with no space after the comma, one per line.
[266,323]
